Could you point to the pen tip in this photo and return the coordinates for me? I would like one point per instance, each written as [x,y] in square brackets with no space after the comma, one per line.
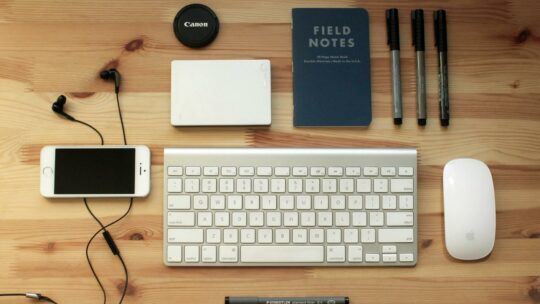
[421,121]
[445,122]
[397,121]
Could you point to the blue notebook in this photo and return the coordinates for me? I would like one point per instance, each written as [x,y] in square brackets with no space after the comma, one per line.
[331,67]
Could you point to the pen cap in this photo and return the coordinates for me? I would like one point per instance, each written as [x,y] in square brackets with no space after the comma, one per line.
[439,24]
[417,22]
[392,28]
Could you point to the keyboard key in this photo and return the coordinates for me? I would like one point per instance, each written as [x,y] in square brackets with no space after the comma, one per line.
[352,171]
[372,202]
[320,202]
[295,185]
[174,185]
[337,202]
[177,235]
[399,218]
[396,235]
[299,236]
[264,171]
[200,202]
[368,235]
[221,219]
[303,202]
[318,171]
[191,185]
[401,185]
[239,219]
[204,219]
[243,185]
[342,219]
[380,185]
[247,236]
[405,171]
[389,202]
[335,171]
[282,254]
[174,171]
[388,249]
[264,236]
[277,185]
[273,219]
[359,219]
[346,185]
[363,185]
[406,257]
[256,219]
[211,171]
[209,185]
[251,202]
[193,171]
[371,171]
[191,254]
[372,257]
[228,171]
[335,253]
[299,171]
[333,236]
[213,236]
[247,171]
[350,236]
[324,219]
[406,202]
[355,202]
[234,202]
[316,236]
[228,254]
[230,236]
[174,253]
[185,219]
[307,219]
[286,202]
[388,171]
[329,185]
[354,254]
[282,236]
[312,185]
[208,254]
[226,185]
[179,202]
[290,219]
[282,171]
[260,185]
[376,219]
[269,202]
[217,202]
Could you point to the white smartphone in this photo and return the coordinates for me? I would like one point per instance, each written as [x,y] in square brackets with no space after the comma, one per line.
[95,171]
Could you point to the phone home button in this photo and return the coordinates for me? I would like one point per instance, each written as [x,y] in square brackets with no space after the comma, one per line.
[48,171]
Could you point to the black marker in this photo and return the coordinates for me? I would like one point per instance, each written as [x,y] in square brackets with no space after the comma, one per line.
[417,22]
[392,30]
[308,300]
[439,19]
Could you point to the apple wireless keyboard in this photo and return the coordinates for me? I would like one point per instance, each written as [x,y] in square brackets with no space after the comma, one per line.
[290,207]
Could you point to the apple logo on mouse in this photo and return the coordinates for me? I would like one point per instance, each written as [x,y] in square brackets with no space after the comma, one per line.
[470,235]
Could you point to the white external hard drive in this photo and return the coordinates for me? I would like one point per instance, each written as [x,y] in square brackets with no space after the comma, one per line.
[220,93]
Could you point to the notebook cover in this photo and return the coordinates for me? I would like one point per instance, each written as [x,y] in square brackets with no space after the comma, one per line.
[331,67]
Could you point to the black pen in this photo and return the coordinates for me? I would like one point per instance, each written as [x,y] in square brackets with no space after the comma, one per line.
[392,30]
[292,300]
[439,19]
[417,22]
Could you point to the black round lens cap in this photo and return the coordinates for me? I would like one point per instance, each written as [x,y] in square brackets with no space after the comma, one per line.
[196,25]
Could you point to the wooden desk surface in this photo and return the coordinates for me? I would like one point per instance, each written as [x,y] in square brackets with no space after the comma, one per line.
[58,47]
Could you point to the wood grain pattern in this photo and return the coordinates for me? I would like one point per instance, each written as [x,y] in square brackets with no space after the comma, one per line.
[58,47]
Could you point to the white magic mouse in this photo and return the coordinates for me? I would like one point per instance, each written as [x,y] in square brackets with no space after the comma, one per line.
[469,209]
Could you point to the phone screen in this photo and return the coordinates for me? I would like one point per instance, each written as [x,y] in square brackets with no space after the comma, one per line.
[95,171]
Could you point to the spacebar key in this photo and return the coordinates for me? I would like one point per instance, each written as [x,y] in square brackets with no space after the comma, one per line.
[282,254]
